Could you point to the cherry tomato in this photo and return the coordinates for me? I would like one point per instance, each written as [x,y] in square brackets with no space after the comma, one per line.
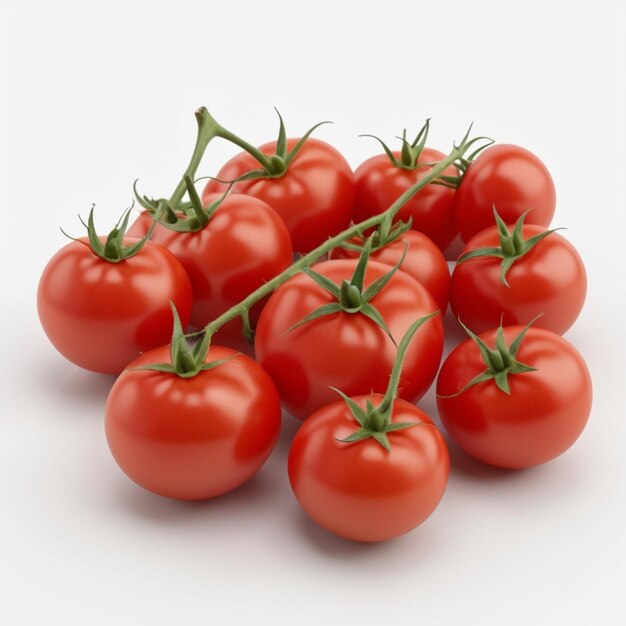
[345,350]
[244,244]
[193,438]
[359,490]
[541,417]
[315,196]
[549,279]
[102,315]
[379,183]
[510,178]
[423,261]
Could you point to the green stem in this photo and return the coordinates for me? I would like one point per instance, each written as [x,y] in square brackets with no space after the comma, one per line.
[208,129]
[308,259]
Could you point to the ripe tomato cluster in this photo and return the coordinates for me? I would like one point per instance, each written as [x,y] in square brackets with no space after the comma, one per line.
[292,281]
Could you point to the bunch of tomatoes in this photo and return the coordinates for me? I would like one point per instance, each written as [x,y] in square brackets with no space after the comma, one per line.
[292,281]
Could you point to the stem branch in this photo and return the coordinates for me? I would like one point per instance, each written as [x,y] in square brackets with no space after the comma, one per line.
[308,259]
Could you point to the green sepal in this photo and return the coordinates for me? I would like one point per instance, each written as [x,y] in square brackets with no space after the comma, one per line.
[409,152]
[186,361]
[293,153]
[372,313]
[386,233]
[500,361]
[375,421]
[325,309]
[512,245]
[112,249]
[325,283]
[195,217]
[349,296]
[281,143]
[380,283]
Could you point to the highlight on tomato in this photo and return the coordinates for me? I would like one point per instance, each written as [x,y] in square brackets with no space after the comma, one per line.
[510,178]
[382,179]
[305,180]
[192,422]
[337,325]
[229,246]
[515,396]
[102,301]
[515,275]
[370,467]
[423,260]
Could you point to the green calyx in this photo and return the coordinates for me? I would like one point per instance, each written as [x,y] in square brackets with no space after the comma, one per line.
[387,232]
[186,361]
[410,152]
[274,165]
[350,296]
[500,361]
[188,217]
[375,421]
[513,246]
[112,249]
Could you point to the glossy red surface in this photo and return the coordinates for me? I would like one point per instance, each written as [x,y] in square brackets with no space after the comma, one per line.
[509,177]
[423,261]
[345,350]
[541,418]
[243,246]
[193,438]
[359,490]
[102,315]
[315,197]
[379,183]
[550,279]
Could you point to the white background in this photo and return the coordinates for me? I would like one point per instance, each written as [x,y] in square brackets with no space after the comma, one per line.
[95,95]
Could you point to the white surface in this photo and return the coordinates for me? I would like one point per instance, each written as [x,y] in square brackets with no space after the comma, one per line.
[94,96]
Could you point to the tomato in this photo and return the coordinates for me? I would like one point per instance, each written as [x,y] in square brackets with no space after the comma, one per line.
[315,196]
[379,183]
[549,279]
[102,315]
[244,244]
[423,261]
[345,350]
[359,490]
[510,178]
[192,438]
[541,417]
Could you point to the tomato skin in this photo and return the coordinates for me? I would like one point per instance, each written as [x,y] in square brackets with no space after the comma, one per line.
[541,418]
[315,197]
[379,183]
[243,246]
[347,351]
[193,438]
[359,490]
[101,315]
[423,261]
[550,279]
[510,178]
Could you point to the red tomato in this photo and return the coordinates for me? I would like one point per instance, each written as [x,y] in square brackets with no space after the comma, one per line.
[102,315]
[542,416]
[345,350]
[379,183]
[193,438]
[510,178]
[244,245]
[315,196]
[359,490]
[423,261]
[549,279]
